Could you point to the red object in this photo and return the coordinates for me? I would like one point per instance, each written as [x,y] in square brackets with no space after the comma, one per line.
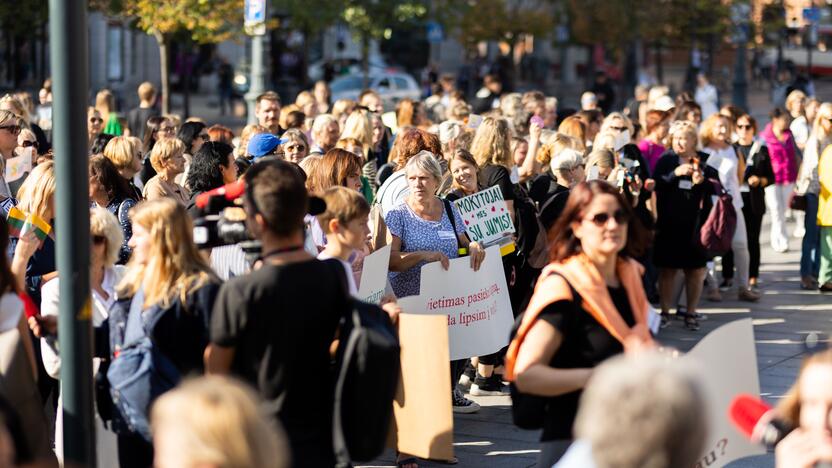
[29,306]
[231,191]
[746,411]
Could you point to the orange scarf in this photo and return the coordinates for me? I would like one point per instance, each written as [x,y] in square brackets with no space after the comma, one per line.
[582,274]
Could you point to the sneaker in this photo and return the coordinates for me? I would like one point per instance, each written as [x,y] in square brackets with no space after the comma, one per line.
[467,377]
[463,405]
[488,386]
[747,295]
[665,320]
[726,284]
[799,232]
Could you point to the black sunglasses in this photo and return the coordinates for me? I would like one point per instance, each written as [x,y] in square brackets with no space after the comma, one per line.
[13,129]
[205,136]
[96,120]
[600,219]
[28,143]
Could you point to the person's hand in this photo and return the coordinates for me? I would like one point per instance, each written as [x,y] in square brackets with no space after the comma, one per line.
[42,326]
[477,255]
[439,257]
[683,170]
[534,131]
[393,310]
[649,185]
[697,177]
[753,181]
[26,246]
[803,449]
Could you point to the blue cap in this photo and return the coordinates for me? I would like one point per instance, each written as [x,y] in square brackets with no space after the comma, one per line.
[262,144]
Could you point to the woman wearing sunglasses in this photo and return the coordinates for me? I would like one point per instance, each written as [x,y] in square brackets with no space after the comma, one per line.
[10,126]
[588,305]
[95,125]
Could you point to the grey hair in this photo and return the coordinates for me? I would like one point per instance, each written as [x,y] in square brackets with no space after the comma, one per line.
[664,413]
[424,161]
[322,121]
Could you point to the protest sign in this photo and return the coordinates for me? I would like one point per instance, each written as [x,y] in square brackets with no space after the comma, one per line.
[486,216]
[476,303]
[374,275]
[19,165]
[422,414]
[728,360]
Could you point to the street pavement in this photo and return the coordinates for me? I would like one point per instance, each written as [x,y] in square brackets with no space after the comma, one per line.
[783,319]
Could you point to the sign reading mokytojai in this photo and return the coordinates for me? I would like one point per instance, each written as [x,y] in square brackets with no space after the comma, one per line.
[486,216]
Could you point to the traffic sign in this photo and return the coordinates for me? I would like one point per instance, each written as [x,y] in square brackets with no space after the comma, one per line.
[254,14]
[435,32]
[812,15]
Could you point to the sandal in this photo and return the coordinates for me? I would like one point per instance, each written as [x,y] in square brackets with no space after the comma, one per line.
[691,323]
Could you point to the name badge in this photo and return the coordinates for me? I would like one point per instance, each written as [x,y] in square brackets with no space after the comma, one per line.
[447,235]
[685,184]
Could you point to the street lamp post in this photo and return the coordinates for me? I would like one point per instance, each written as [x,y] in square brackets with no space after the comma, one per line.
[255,26]
[68,45]
[740,12]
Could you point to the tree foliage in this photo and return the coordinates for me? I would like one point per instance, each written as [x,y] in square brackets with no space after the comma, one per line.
[474,21]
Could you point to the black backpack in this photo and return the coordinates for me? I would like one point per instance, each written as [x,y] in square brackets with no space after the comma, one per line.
[366,379]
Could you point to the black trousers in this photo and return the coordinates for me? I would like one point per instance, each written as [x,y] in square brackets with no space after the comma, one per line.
[134,451]
[753,225]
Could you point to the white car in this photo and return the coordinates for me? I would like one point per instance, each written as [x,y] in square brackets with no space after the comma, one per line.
[391,86]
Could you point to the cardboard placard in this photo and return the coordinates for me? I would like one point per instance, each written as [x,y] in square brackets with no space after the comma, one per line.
[19,165]
[422,414]
[475,303]
[486,216]
[729,357]
[374,275]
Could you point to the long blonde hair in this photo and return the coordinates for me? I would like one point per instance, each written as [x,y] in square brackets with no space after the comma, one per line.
[105,103]
[492,143]
[174,264]
[358,126]
[220,424]
[707,132]
[38,190]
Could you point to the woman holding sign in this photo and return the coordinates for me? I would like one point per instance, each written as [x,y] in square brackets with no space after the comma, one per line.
[590,304]
[427,229]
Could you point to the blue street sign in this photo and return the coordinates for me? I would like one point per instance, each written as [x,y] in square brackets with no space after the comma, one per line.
[811,15]
[255,11]
[435,32]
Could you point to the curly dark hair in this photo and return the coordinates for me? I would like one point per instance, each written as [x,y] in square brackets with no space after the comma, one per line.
[205,172]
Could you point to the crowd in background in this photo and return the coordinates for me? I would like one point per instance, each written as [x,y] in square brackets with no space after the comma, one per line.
[618,196]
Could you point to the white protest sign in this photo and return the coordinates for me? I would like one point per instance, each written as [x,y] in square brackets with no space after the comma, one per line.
[374,275]
[17,166]
[486,216]
[476,303]
[728,359]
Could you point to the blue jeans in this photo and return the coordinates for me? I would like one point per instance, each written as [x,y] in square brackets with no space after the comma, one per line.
[810,256]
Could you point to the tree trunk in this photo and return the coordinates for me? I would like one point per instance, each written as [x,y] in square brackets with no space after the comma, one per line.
[304,59]
[657,50]
[162,40]
[365,58]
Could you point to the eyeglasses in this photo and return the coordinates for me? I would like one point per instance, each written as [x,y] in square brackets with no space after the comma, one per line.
[27,144]
[619,129]
[96,120]
[744,127]
[601,219]
[13,129]
[296,147]
[98,240]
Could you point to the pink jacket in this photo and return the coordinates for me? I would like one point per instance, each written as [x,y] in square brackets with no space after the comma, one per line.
[782,154]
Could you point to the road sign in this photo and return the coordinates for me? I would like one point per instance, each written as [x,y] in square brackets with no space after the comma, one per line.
[254,15]
[812,15]
[435,32]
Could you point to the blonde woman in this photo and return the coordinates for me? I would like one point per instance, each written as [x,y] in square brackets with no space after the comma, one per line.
[545,184]
[295,145]
[10,127]
[800,126]
[106,236]
[342,109]
[173,289]
[95,125]
[168,160]
[491,149]
[715,137]
[125,154]
[105,103]
[809,185]
[215,422]
[245,135]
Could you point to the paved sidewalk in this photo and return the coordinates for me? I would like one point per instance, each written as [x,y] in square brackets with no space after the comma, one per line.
[783,319]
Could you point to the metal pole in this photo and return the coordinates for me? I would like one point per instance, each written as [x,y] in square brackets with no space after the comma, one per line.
[258,76]
[740,96]
[68,44]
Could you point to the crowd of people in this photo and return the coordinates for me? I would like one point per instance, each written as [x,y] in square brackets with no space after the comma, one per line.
[607,207]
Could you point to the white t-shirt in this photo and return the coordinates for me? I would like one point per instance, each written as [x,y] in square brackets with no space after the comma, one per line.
[11,307]
[725,162]
[347,271]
